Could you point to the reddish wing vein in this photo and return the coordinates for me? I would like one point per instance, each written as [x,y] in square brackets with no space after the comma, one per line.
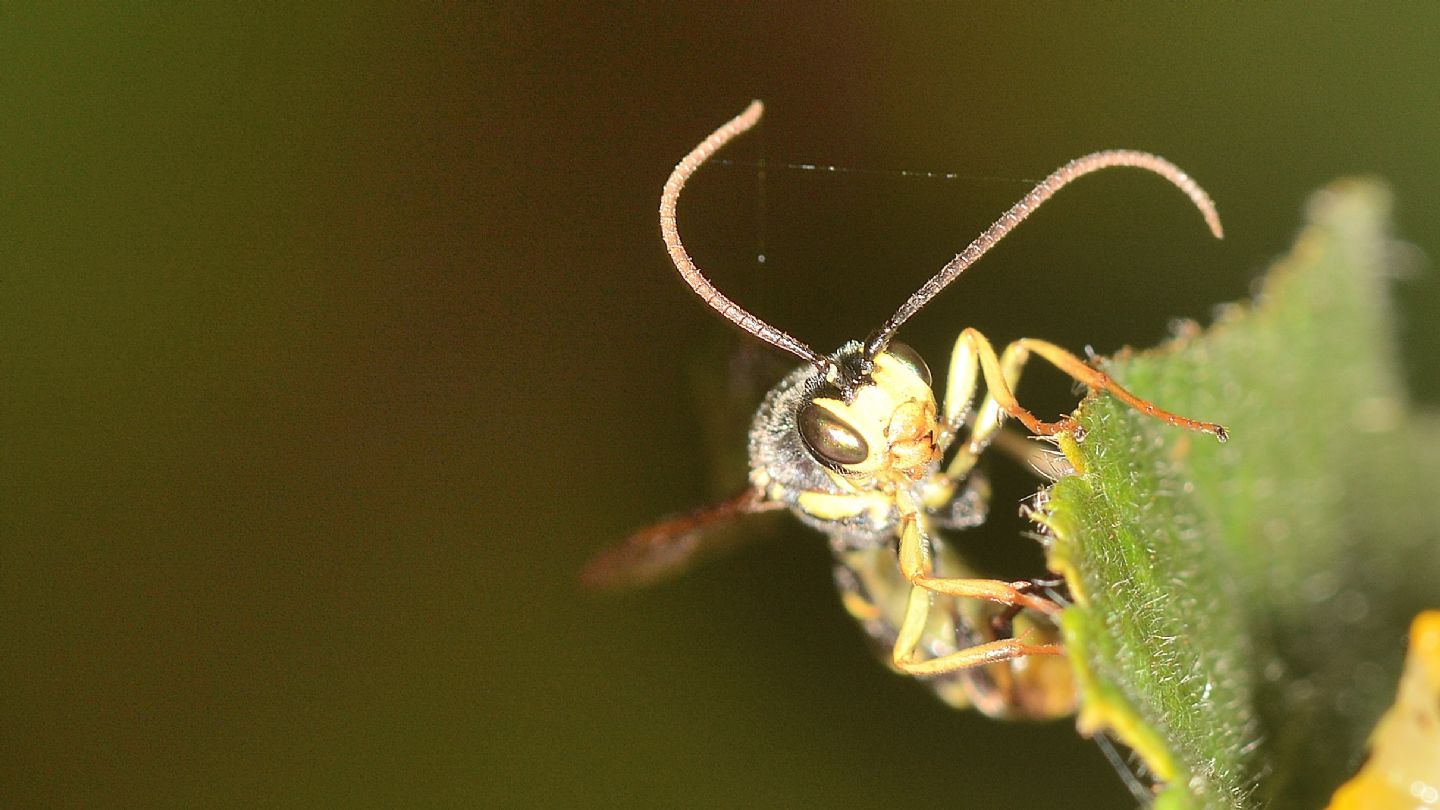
[667,548]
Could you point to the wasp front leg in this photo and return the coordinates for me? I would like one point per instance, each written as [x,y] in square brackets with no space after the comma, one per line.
[966,363]
[973,353]
[917,566]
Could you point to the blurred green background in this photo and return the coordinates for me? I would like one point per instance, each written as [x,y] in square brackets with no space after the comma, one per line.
[336,340]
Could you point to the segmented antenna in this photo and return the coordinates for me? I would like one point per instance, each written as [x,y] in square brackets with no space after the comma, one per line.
[1061,177]
[688,271]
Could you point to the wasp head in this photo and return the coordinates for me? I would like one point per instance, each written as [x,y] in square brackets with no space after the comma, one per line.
[856,424]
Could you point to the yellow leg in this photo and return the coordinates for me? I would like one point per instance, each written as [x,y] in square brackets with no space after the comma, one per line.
[916,565]
[992,652]
[965,361]
[973,358]
[972,346]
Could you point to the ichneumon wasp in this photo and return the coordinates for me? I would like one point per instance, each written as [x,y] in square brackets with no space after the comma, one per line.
[855,444]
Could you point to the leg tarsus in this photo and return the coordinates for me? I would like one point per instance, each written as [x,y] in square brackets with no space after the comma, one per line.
[1096,379]
[917,567]
[973,349]
[993,652]
[990,590]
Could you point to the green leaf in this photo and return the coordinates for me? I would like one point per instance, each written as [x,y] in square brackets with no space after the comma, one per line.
[1241,609]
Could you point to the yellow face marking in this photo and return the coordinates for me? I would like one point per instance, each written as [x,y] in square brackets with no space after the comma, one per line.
[895,414]
[896,375]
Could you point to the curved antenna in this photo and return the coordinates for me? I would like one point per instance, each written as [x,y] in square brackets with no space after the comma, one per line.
[1060,178]
[687,268]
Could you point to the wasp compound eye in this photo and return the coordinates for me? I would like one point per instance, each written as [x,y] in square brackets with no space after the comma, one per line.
[910,357]
[833,442]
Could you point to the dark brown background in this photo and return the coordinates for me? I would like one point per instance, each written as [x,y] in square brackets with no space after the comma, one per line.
[334,342]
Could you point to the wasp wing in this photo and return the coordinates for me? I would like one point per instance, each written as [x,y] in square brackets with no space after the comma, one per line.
[668,548]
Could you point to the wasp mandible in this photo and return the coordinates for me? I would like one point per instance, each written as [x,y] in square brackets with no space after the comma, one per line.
[854,444]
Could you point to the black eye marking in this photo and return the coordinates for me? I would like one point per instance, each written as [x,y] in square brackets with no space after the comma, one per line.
[830,439]
[911,358]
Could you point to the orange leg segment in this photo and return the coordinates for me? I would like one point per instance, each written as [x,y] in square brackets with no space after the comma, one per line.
[916,565]
[973,344]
